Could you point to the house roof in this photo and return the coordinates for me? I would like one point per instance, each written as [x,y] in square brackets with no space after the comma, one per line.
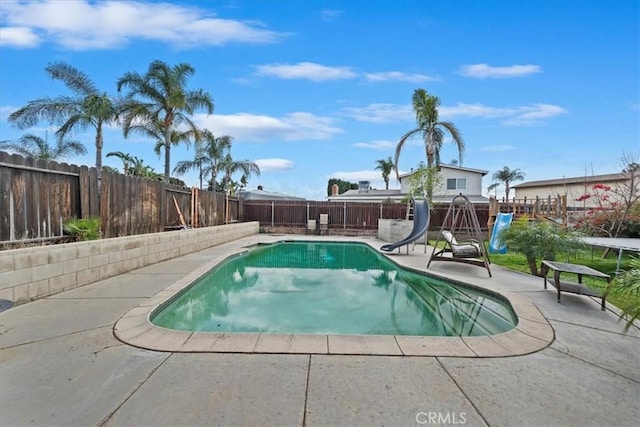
[474,199]
[577,180]
[266,195]
[444,166]
[376,193]
[367,195]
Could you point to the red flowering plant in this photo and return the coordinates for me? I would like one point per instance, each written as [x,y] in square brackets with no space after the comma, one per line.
[614,211]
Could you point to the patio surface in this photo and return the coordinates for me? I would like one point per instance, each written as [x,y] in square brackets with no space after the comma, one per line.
[60,363]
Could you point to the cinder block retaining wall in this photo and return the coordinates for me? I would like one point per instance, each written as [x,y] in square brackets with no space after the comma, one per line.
[32,273]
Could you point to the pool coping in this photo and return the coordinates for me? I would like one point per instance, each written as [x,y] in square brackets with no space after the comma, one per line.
[532,333]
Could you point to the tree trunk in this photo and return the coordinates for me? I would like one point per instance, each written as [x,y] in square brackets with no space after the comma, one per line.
[167,162]
[533,266]
[99,143]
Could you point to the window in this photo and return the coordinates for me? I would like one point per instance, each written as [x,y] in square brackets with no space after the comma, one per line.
[456,184]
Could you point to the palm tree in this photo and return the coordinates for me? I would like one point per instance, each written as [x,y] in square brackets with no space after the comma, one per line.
[33,146]
[138,168]
[492,187]
[210,151]
[177,137]
[385,166]
[230,167]
[159,101]
[87,108]
[507,176]
[126,159]
[431,129]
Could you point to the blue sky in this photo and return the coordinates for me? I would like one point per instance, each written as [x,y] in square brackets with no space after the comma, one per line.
[317,89]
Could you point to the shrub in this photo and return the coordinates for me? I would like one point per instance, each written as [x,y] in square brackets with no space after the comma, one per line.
[627,283]
[539,240]
[83,228]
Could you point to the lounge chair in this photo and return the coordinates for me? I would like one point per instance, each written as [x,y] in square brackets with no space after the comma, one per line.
[324,223]
[311,226]
[467,249]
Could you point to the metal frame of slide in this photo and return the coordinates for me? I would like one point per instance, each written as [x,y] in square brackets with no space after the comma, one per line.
[420,226]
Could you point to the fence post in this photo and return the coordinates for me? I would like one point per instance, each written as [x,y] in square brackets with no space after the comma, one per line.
[380,210]
[307,212]
[344,216]
[272,213]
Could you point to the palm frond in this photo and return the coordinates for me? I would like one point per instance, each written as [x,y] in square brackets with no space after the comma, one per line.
[73,78]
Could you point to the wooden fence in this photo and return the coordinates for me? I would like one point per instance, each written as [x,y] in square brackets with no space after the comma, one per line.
[37,196]
[342,215]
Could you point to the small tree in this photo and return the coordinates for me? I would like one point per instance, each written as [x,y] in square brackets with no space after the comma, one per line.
[424,182]
[539,240]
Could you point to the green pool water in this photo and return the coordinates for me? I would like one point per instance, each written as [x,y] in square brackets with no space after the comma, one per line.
[330,288]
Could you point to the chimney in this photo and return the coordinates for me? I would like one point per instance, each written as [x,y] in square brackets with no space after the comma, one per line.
[335,189]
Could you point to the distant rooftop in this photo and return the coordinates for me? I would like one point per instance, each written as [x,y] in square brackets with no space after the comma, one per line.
[372,192]
[576,180]
[266,195]
[445,166]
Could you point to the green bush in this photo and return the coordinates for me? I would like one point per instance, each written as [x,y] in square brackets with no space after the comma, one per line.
[83,228]
[539,240]
[627,283]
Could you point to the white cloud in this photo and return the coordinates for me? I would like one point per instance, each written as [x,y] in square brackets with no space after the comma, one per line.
[253,127]
[512,116]
[306,71]
[376,145]
[274,164]
[397,76]
[534,114]
[330,14]
[319,73]
[497,148]
[381,113]
[474,110]
[5,112]
[484,71]
[18,37]
[81,25]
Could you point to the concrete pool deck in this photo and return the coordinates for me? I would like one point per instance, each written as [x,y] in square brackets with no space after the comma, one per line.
[62,365]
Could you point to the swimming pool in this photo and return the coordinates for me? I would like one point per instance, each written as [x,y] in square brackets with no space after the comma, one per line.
[330,288]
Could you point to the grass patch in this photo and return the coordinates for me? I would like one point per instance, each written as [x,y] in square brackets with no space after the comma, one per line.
[588,257]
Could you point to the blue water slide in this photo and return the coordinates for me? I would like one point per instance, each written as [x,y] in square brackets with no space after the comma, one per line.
[503,221]
[420,226]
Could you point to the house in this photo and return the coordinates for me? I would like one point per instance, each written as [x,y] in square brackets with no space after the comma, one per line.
[364,193]
[261,194]
[573,188]
[456,180]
